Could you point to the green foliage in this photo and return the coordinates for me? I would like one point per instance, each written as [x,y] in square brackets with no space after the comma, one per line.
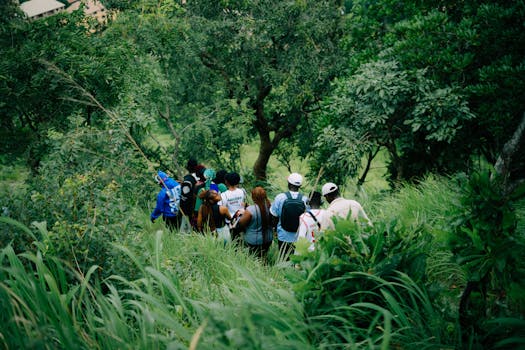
[351,282]
[431,83]
[121,5]
[441,113]
[383,106]
[237,303]
[83,194]
[339,152]
[486,243]
[60,66]
[388,286]
[272,59]
[478,49]
[472,56]
[218,136]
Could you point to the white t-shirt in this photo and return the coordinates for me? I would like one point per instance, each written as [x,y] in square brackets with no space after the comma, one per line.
[308,227]
[233,200]
[344,209]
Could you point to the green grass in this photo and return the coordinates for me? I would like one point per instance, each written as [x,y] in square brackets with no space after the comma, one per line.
[277,174]
[194,291]
[432,204]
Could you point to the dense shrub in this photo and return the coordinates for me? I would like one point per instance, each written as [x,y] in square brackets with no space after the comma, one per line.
[368,282]
[86,196]
[487,244]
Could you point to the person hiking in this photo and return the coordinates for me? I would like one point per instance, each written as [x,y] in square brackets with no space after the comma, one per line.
[340,207]
[187,197]
[310,221]
[211,217]
[199,185]
[167,201]
[192,167]
[257,224]
[234,198]
[209,175]
[286,209]
[221,181]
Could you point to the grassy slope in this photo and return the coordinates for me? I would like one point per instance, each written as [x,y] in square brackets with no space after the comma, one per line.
[221,290]
[196,290]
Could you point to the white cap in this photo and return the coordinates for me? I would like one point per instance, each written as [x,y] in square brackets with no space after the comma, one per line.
[328,188]
[295,179]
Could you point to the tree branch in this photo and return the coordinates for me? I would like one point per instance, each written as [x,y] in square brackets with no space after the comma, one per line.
[166,117]
[371,156]
[209,62]
[504,161]
[90,100]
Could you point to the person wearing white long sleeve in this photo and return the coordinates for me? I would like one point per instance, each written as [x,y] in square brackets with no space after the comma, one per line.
[340,207]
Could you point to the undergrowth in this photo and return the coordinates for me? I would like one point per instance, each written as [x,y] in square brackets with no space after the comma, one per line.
[393,285]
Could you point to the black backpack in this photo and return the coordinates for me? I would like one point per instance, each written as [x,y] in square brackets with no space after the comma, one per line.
[187,196]
[290,212]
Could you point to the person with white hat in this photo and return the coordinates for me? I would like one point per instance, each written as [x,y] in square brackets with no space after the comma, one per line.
[286,209]
[340,207]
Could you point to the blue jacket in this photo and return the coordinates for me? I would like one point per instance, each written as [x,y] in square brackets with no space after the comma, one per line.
[163,200]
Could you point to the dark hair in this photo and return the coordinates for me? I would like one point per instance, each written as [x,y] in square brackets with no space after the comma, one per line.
[209,198]
[315,198]
[232,178]
[199,172]
[220,176]
[293,187]
[191,164]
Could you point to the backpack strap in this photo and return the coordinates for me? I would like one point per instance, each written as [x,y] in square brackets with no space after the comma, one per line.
[245,197]
[315,219]
[289,195]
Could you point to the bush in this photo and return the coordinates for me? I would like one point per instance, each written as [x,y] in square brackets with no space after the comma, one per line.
[487,244]
[368,283]
[85,197]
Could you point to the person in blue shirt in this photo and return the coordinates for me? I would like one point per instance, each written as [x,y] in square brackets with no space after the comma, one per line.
[167,201]
[286,239]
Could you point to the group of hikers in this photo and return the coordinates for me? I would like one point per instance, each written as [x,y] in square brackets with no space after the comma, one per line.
[209,201]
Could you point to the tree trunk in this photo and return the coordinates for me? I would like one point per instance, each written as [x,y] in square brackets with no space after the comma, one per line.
[504,161]
[266,146]
[371,156]
[266,149]
[396,163]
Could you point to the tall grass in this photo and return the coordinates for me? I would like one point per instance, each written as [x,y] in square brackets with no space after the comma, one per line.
[197,293]
[432,204]
[390,314]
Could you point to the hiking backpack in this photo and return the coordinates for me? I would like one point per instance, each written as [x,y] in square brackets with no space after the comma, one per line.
[187,197]
[290,212]
[174,196]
